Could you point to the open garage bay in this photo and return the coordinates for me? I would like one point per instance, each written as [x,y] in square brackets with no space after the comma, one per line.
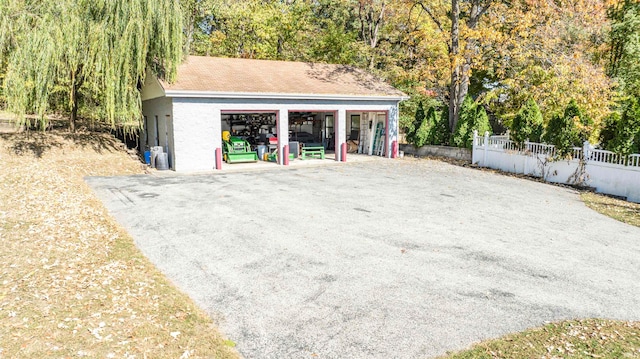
[381,259]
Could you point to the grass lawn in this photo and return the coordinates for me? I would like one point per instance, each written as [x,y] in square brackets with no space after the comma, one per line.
[72,282]
[591,338]
[623,211]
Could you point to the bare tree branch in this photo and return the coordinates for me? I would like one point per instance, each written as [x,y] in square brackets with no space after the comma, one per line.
[431,15]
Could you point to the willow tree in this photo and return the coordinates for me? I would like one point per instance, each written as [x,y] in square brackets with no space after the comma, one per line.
[92,52]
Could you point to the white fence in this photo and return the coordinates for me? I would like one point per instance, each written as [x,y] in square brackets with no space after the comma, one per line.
[605,171]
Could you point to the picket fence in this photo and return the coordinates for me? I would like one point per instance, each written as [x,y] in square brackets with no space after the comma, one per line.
[605,171]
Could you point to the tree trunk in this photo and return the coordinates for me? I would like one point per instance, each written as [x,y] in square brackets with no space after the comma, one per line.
[74,110]
[190,26]
[280,48]
[461,66]
[370,23]
[73,98]
[189,34]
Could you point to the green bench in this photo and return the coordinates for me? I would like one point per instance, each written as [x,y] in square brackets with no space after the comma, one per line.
[312,152]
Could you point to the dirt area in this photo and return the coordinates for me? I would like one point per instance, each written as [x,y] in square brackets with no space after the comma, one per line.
[72,283]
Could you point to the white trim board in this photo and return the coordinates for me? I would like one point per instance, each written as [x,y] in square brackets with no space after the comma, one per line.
[282,96]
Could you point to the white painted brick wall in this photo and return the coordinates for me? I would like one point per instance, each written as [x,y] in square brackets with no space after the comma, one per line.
[194,134]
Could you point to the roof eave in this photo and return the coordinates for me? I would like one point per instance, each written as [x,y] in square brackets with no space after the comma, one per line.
[153,88]
[282,96]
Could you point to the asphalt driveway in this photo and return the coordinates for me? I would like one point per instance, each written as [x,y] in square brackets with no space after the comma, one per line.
[382,259]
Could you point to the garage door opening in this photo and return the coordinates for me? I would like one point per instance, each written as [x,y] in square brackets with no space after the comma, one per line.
[259,136]
[312,134]
[249,136]
[367,133]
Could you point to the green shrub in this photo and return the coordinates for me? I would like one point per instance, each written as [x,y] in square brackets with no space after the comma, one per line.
[568,130]
[560,133]
[439,133]
[431,128]
[460,133]
[422,133]
[418,119]
[410,107]
[582,122]
[630,128]
[406,126]
[472,117]
[527,124]
[482,123]
[609,131]
[623,135]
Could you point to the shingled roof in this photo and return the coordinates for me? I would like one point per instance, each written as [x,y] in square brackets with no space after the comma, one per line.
[215,75]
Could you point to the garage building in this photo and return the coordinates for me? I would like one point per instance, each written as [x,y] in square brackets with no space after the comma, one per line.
[276,106]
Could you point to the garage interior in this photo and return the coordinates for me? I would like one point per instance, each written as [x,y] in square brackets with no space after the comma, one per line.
[311,135]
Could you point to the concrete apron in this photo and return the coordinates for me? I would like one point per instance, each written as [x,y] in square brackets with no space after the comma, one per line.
[266,166]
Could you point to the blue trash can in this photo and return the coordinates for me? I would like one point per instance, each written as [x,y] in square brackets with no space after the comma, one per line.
[147,157]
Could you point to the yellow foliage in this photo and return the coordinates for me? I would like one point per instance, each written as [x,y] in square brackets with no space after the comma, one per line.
[549,52]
